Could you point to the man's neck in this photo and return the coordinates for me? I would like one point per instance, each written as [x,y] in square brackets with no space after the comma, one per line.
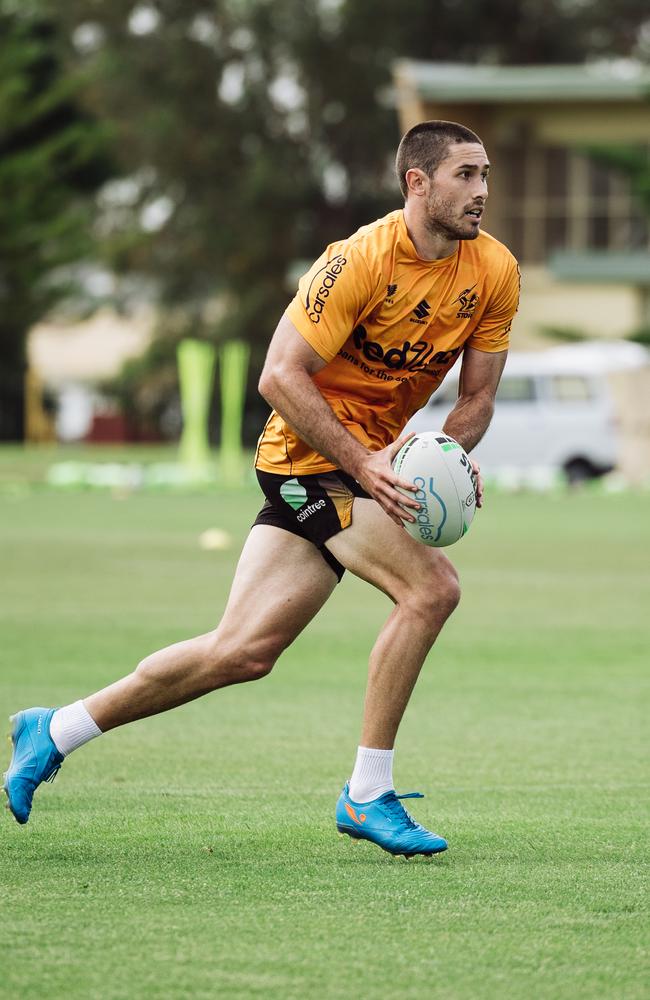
[428,245]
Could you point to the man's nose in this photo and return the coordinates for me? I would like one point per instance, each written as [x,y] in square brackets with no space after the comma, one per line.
[481,188]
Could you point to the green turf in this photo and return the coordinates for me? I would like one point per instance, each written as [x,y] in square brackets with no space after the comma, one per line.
[195,855]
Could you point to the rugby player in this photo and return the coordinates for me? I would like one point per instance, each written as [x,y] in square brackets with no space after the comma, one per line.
[376,324]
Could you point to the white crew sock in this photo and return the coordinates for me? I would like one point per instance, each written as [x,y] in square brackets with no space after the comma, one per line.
[372,775]
[71,727]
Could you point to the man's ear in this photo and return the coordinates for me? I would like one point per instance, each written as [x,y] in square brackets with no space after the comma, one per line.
[416,181]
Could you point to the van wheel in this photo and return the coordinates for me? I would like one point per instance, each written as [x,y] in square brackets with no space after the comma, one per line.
[579,470]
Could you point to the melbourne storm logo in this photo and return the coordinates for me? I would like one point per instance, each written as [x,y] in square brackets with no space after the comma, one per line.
[321,285]
[467,302]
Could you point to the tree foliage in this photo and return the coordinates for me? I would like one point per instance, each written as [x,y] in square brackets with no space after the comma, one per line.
[263,129]
[52,158]
[249,133]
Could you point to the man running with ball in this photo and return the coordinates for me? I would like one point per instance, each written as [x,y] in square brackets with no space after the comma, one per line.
[375,326]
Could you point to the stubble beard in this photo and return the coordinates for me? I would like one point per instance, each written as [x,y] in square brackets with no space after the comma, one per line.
[440,222]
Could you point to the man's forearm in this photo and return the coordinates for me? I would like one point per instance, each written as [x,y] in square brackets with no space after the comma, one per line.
[298,401]
[469,419]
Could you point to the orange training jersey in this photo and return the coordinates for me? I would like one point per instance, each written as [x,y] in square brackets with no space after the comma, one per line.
[390,325]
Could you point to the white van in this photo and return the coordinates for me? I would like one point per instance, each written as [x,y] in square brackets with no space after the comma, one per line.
[554,411]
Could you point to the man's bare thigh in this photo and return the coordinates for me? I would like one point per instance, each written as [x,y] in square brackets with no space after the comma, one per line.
[280,583]
[376,549]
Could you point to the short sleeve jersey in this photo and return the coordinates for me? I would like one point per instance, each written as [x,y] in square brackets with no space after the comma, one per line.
[390,325]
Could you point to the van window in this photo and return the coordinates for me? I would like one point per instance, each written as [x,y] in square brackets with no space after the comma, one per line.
[516,389]
[570,388]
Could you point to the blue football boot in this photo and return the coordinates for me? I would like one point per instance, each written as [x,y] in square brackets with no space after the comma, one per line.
[35,759]
[385,822]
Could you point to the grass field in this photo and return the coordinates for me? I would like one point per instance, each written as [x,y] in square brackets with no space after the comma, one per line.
[195,855]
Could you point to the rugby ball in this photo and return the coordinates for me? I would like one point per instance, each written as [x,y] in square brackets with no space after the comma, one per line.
[446,491]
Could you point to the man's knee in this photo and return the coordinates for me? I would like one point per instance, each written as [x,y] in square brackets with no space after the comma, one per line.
[437,592]
[451,591]
[451,588]
[241,660]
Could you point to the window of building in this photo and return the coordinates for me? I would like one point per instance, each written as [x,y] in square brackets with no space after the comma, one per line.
[556,198]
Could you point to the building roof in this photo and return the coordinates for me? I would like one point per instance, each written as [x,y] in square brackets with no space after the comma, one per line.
[602,266]
[619,80]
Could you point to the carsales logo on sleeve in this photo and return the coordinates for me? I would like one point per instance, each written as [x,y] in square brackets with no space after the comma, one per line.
[324,281]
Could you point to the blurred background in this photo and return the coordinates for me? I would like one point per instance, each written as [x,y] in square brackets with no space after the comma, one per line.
[168,169]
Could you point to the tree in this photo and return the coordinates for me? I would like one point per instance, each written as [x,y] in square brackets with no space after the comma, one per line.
[256,131]
[52,157]
[224,120]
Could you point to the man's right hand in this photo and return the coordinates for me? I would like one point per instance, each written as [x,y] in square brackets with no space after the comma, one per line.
[375,473]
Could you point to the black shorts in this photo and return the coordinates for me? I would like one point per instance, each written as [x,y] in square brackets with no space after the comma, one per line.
[314,507]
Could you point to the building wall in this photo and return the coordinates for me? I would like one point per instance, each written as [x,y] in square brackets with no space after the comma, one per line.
[90,350]
[607,311]
[71,359]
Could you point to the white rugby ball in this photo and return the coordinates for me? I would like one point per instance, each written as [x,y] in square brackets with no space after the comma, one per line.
[442,472]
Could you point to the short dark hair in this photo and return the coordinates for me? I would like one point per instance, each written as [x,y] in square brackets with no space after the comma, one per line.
[425,146]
